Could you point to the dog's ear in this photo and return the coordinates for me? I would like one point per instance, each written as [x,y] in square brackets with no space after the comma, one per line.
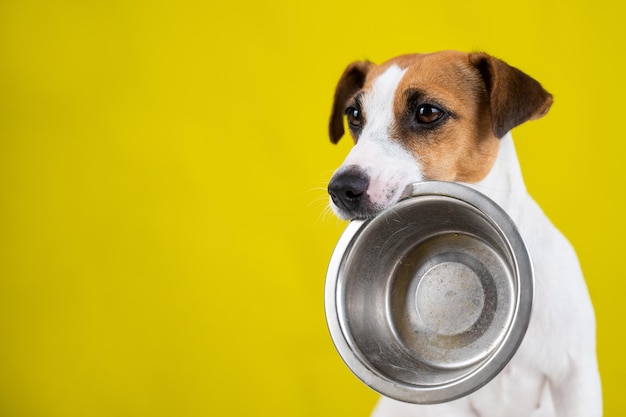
[514,96]
[349,84]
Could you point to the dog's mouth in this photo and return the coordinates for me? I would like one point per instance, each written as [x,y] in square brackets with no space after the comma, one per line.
[356,193]
[363,212]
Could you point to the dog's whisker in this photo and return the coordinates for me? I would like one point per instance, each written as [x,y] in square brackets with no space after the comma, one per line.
[320,198]
[325,215]
[323,188]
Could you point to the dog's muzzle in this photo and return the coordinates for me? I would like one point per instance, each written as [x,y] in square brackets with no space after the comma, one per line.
[348,191]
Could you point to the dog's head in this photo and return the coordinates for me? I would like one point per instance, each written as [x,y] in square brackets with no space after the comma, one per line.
[424,117]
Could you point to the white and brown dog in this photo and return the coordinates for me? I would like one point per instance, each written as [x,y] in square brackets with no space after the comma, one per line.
[446,116]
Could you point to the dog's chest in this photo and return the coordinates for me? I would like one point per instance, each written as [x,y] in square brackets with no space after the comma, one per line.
[516,392]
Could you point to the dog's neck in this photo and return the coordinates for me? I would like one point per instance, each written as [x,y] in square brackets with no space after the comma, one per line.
[504,184]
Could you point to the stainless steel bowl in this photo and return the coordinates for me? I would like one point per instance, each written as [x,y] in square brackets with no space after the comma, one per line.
[429,300]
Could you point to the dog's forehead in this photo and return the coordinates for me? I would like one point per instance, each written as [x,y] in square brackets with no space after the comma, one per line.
[444,71]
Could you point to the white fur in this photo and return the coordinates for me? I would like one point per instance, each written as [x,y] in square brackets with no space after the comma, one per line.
[387,163]
[554,373]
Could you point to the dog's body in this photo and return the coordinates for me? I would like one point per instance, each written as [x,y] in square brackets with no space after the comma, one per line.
[446,116]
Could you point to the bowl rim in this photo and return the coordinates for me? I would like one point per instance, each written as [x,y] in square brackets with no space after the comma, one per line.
[522,301]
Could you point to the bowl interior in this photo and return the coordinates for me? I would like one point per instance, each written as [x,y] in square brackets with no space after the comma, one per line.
[426,294]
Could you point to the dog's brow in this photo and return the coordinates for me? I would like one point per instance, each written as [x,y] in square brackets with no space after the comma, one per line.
[413,96]
[416,97]
[358,99]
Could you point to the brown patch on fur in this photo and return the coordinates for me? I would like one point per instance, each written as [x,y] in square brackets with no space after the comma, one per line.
[514,96]
[351,81]
[463,147]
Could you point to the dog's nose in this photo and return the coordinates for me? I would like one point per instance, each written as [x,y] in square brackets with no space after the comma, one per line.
[347,189]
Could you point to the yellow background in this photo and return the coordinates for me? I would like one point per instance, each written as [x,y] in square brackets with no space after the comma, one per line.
[163,237]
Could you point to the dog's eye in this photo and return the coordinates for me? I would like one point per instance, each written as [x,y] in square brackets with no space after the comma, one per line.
[354,117]
[427,114]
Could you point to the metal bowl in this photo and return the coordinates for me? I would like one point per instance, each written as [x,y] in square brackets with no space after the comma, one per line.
[429,300]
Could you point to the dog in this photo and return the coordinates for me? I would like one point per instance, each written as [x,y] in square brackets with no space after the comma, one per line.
[447,116]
